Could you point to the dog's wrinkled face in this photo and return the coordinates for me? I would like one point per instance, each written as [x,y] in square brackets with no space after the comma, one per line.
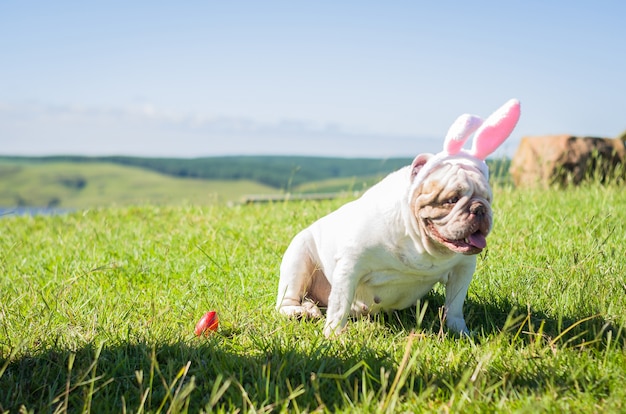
[453,208]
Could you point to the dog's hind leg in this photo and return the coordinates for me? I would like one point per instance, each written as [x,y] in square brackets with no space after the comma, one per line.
[298,274]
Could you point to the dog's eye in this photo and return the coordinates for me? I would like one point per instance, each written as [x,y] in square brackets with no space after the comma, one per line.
[451,200]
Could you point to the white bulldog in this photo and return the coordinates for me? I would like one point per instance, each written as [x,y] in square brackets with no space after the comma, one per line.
[421,225]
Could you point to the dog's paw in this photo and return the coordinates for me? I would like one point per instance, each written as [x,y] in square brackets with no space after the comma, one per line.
[305,310]
[458,326]
[331,331]
[334,326]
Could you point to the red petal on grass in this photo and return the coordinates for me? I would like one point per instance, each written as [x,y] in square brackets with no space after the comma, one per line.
[207,324]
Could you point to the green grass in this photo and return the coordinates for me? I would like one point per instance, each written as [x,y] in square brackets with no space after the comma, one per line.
[81,185]
[98,309]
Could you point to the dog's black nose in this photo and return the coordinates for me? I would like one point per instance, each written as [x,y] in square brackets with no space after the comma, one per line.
[478,209]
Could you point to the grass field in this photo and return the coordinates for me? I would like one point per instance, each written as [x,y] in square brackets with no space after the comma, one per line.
[98,309]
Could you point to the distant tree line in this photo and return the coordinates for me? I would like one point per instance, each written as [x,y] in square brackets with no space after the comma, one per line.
[281,172]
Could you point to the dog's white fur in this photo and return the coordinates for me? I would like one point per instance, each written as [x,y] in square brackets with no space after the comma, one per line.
[387,249]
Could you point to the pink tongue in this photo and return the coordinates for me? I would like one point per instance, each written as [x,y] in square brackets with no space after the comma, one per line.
[478,240]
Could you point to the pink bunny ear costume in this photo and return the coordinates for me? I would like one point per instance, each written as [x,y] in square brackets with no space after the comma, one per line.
[489,135]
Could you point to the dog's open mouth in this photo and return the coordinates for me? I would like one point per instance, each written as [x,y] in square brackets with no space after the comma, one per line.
[472,243]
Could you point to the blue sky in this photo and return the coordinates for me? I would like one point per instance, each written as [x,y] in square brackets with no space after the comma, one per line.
[341,78]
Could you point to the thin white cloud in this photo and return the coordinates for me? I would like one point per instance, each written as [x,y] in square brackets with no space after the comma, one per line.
[36,129]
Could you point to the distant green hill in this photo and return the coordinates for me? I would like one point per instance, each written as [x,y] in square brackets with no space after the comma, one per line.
[81,185]
[74,181]
[279,172]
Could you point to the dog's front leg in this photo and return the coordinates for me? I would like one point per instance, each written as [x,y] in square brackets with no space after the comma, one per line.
[344,282]
[456,291]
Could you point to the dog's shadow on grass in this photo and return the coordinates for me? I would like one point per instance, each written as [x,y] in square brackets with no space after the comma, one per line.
[201,374]
[486,319]
[274,374]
